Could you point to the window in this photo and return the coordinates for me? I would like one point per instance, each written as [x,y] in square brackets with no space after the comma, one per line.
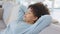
[57,4]
[54,6]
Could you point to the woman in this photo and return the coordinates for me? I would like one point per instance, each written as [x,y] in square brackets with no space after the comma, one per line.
[34,12]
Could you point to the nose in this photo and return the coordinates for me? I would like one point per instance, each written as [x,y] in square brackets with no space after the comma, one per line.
[25,13]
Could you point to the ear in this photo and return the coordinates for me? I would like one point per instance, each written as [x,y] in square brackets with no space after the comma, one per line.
[35,18]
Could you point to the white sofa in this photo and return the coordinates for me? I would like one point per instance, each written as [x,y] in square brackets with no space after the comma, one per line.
[5,13]
[52,29]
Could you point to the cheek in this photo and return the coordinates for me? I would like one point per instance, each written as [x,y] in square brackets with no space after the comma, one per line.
[28,17]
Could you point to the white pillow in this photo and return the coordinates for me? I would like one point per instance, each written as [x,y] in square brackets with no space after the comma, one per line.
[7,6]
[14,14]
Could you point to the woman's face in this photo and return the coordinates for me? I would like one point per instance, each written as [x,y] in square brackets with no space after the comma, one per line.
[29,16]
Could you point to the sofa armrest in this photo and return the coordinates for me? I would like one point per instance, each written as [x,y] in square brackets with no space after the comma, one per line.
[1,13]
[52,29]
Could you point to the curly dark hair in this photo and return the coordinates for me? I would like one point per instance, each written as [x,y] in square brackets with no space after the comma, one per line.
[39,9]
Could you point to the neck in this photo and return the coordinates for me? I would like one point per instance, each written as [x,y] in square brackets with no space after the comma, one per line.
[30,22]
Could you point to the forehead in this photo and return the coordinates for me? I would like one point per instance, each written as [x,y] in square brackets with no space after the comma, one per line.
[29,9]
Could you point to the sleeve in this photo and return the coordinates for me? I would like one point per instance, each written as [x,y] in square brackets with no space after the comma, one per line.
[6,31]
[41,24]
[21,12]
[9,28]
